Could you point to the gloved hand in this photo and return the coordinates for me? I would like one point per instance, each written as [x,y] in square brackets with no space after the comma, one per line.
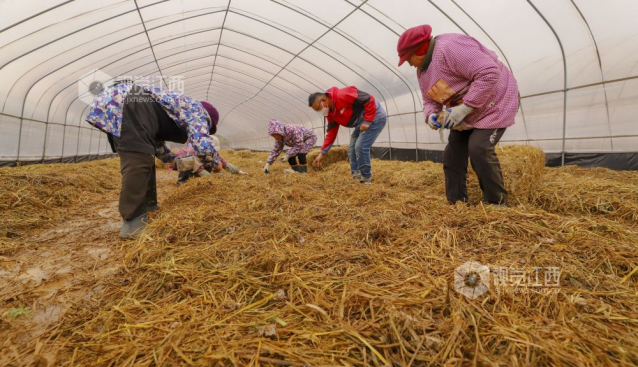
[455,115]
[203,173]
[232,168]
[431,121]
[187,164]
[285,158]
[267,168]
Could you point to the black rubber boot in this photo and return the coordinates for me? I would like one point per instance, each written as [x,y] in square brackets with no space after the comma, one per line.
[183,177]
[302,168]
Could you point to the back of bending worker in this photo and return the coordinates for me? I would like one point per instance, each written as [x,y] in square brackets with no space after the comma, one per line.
[138,119]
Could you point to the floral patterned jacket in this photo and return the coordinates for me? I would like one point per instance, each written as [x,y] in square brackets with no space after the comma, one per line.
[189,115]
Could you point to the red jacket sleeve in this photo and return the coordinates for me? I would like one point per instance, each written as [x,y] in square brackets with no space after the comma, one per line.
[369,110]
[331,136]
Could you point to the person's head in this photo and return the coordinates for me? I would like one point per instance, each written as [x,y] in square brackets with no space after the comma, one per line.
[276,129]
[320,102]
[214,116]
[413,45]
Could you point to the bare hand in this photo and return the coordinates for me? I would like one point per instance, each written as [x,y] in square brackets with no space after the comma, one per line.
[317,162]
[364,127]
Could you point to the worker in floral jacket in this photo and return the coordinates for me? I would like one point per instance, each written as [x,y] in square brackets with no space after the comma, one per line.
[300,140]
[138,119]
[480,96]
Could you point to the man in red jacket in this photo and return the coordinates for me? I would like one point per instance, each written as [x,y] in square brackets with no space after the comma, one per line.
[356,109]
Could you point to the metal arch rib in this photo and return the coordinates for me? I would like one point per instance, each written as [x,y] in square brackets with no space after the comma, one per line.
[602,75]
[308,46]
[218,43]
[262,58]
[35,15]
[241,51]
[245,74]
[297,116]
[349,38]
[82,113]
[520,104]
[562,50]
[25,96]
[120,59]
[297,55]
[400,76]
[74,32]
[150,44]
[105,20]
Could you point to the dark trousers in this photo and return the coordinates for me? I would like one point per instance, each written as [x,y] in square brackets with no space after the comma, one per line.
[138,184]
[292,161]
[478,145]
[144,124]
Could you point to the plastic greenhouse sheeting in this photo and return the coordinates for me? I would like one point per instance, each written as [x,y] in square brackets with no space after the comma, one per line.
[576,63]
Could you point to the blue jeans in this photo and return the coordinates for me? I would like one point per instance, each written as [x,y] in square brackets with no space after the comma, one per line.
[361,142]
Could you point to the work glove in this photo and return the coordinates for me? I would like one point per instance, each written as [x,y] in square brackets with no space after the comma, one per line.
[267,168]
[285,158]
[203,173]
[432,123]
[232,168]
[187,164]
[455,115]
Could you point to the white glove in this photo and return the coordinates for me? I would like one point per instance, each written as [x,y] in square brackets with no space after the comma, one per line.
[187,164]
[232,168]
[455,115]
[267,168]
[432,123]
[203,173]
[285,158]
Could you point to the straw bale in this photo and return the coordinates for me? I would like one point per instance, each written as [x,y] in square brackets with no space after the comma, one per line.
[523,167]
[335,155]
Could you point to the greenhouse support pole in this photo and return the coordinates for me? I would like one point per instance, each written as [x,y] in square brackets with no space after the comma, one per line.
[562,51]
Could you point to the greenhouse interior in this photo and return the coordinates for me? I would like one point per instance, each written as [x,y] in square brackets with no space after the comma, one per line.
[318,183]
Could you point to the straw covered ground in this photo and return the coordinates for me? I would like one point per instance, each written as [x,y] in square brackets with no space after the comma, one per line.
[36,196]
[318,270]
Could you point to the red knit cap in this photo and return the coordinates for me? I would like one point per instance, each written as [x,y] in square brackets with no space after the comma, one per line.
[415,39]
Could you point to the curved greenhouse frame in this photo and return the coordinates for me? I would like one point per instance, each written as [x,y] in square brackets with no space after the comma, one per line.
[576,63]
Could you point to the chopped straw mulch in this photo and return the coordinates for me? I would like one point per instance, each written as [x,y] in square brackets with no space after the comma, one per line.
[294,270]
[39,195]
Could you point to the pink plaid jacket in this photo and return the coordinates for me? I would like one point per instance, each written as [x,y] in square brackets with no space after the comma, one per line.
[464,71]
